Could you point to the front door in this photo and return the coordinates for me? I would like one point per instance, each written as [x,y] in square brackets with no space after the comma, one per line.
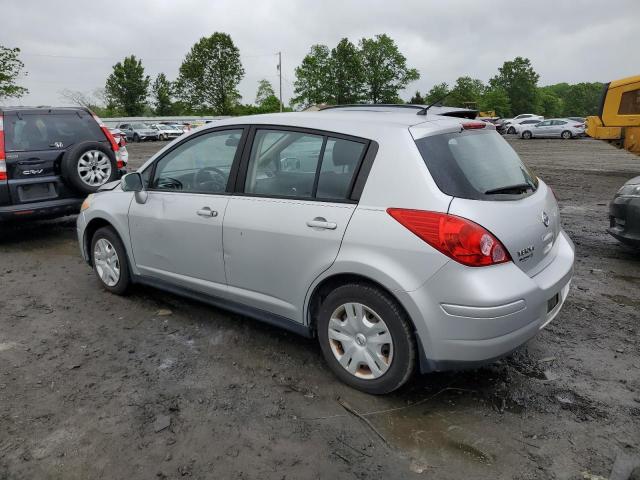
[176,234]
[286,227]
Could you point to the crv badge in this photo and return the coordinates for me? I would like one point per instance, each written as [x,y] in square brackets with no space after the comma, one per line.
[545,219]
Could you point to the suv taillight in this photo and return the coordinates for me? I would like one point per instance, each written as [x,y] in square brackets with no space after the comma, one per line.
[3,158]
[460,239]
[114,145]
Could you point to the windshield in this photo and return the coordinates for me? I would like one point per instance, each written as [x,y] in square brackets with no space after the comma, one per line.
[477,165]
[140,126]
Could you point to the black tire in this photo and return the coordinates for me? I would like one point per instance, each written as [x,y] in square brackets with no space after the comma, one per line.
[161,137]
[566,135]
[136,138]
[124,282]
[71,158]
[526,135]
[403,361]
[511,130]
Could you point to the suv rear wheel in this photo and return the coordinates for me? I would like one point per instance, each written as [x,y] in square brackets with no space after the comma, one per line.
[109,260]
[89,165]
[366,338]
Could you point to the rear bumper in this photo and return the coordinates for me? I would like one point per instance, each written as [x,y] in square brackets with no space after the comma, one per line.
[624,218]
[48,209]
[467,317]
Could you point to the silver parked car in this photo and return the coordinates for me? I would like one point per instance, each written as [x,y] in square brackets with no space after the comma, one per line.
[553,128]
[138,131]
[402,240]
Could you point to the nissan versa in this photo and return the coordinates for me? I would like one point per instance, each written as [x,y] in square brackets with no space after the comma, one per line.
[400,238]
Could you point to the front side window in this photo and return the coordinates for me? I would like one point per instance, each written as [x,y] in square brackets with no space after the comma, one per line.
[544,124]
[200,165]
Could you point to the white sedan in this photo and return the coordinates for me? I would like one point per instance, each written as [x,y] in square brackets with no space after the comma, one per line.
[553,128]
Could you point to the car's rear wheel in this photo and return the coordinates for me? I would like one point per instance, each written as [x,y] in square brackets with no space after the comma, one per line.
[366,338]
[89,165]
[526,135]
[566,135]
[109,260]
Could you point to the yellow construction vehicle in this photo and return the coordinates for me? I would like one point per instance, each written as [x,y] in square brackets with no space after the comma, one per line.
[619,120]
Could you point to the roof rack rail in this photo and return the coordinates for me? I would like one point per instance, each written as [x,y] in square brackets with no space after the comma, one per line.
[369,105]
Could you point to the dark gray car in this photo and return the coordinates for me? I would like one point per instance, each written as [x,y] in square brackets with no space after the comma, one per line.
[624,214]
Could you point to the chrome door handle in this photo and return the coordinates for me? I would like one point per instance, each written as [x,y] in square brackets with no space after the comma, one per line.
[320,222]
[206,212]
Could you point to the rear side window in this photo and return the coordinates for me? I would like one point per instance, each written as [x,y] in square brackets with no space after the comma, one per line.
[302,165]
[44,131]
[478,165]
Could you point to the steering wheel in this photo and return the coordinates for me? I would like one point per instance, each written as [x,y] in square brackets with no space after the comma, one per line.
[208,182]
[169,183]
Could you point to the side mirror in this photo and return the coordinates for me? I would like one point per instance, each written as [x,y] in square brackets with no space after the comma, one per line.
[132,182]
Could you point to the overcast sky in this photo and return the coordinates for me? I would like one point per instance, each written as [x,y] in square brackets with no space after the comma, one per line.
[74,44]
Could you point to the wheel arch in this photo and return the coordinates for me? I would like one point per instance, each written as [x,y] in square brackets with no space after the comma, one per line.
[92,227]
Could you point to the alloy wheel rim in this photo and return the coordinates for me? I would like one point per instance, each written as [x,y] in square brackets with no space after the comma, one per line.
[106,262]
[360,341]
[94,168]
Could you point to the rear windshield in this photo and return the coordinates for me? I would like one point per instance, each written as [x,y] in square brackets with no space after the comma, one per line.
[477,165]
[44,131]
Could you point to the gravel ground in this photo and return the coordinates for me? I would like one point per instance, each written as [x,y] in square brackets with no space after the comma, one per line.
[153,385]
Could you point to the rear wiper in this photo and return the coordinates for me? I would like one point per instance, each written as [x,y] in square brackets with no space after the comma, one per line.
[519,188]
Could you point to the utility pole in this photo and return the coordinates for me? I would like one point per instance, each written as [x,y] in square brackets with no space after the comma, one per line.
[280,72]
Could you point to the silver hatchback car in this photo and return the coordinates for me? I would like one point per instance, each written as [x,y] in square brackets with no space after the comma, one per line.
[401,239]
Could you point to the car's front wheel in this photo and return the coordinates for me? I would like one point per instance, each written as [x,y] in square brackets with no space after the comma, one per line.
[366,338]
[511,130]
[566,135]
[109,260]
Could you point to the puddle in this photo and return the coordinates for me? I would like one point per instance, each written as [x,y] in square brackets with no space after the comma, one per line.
[4,346]
[437,438]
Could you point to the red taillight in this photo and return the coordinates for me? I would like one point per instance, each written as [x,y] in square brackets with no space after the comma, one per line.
[473,125]
[114,145]
[3,162]
[461,239]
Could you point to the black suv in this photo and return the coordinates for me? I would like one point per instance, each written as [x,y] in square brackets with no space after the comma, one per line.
[51,158]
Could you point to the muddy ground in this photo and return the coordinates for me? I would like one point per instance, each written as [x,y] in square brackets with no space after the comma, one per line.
[156,386]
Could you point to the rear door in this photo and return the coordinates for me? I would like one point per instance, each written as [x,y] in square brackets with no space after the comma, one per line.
[284,226]
[35,143]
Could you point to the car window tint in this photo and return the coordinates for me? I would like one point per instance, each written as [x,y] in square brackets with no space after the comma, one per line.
[29,132]
[472,164]
[283,163]
[339,164]
[630,103]
[201,164]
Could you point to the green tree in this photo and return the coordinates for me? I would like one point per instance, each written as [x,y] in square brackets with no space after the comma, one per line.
[550,105]
[10,68]
[346,73]
[417,99]
[209,75]
[583,99]
[384,69]
[519,80]
[266,99]
[496,99]
[162,90]
[467,91]
[127,86]
[313,78]
[437,94]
